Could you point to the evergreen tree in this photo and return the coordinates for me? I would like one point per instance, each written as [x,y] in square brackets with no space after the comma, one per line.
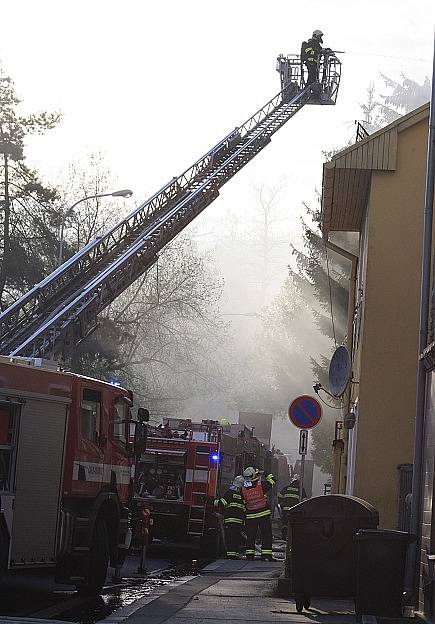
[405,96]
[326,277]
[29,219]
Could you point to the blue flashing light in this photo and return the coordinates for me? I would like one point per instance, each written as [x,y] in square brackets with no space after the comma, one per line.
[215,457]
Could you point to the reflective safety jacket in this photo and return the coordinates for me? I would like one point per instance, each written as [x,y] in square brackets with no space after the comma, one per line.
[233,507]
[311,51]
[254,495]
[288,497]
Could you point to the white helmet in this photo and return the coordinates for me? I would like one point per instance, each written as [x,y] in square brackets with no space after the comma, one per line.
[317,34]
[250,473]
[238,481]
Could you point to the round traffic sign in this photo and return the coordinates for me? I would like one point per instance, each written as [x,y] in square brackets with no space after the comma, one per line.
[305,412]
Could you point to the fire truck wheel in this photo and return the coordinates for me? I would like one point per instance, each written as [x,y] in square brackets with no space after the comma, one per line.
[98,561]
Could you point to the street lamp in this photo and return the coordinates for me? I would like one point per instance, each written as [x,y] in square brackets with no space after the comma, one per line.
[121,193]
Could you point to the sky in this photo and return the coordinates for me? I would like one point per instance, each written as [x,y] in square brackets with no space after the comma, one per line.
[154,85]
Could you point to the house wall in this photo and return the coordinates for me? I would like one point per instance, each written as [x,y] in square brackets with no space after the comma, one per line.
[385,362]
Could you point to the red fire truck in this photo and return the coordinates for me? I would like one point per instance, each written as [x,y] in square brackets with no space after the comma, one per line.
[178,475]
[66,468]
[184,467]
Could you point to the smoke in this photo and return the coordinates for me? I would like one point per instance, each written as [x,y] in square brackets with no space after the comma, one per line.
[275,318]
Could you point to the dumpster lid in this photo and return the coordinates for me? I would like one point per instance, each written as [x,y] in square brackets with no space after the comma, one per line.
[334,506]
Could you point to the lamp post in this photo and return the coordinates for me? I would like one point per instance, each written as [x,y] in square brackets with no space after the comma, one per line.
[121,193]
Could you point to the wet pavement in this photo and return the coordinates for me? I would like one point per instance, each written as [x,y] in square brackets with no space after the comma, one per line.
[37,596]
[242,592]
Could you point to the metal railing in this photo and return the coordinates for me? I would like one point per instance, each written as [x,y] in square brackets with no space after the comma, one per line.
[361,132]
[293,77]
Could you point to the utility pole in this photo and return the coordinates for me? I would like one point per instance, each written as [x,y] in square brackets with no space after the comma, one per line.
[413,562]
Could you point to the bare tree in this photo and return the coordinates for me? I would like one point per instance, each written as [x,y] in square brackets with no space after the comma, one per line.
[266,221]
[91,218]
[173,327]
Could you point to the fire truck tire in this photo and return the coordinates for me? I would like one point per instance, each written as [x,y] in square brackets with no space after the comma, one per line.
[98,561]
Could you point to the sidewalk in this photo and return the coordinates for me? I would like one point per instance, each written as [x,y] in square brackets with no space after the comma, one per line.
[242,592]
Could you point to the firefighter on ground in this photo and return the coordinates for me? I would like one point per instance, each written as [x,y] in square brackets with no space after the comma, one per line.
[258,512]
[311,52]
[287,498]
[233,508]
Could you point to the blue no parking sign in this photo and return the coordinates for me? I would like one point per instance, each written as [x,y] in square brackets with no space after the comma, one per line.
[305,412]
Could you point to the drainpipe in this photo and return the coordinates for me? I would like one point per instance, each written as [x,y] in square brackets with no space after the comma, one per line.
[413,564]
[340,458]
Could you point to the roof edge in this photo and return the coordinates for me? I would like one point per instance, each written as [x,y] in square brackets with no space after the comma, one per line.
[405,121]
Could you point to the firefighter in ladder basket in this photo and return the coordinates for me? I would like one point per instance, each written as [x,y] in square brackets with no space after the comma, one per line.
[258,512]
[311,52]
[234,516]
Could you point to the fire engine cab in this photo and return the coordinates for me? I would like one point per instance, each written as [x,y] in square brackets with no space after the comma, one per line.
[178,475]
[66,468]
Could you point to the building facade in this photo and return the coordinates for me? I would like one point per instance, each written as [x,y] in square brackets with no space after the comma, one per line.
[375,188]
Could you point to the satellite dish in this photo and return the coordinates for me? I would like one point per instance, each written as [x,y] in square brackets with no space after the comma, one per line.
[339,371]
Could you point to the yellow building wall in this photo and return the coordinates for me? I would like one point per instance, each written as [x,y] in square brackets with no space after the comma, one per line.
[386,366]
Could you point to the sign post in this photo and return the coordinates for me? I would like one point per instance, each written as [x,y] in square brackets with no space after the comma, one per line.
[303,447]
[305,412]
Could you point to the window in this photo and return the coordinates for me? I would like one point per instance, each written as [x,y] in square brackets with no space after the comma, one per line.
[162,476]
[120,421]
[91,415]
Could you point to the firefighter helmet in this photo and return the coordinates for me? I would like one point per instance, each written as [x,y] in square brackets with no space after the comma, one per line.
[250,473]
[317,34]
[238,481]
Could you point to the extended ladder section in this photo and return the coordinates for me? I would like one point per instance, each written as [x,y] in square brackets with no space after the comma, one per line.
[62,310]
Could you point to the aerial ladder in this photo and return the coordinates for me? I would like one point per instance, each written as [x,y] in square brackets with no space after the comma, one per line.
[62,310]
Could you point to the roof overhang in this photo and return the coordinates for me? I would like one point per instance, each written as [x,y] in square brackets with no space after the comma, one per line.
[347,176]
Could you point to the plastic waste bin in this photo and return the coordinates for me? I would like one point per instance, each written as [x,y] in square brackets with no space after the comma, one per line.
[322,557]
[380,572]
